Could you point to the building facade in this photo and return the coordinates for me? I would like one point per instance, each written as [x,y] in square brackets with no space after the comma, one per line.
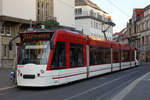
[44,10]
[60,10]
[92,20]
[139,32]
[13,21]
[144,31]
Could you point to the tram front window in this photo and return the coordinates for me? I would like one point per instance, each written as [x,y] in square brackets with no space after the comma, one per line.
[35,52]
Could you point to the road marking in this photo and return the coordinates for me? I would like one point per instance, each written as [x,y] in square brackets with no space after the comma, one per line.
[128,89]
[6,88]
[104,95]
[99,86]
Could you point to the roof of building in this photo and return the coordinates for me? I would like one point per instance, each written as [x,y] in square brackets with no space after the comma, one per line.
[89,3]
[147,7]
[122,33]
[139,11]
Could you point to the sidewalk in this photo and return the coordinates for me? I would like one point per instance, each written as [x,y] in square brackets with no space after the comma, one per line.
[141,90]
[137,90]
[4,78]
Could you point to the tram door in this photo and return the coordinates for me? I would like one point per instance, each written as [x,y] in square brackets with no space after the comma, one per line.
[16,58]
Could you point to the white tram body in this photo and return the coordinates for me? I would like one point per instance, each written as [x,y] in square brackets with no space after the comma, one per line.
[50,58]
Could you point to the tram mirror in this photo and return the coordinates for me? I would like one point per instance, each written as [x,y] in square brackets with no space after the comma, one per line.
[17,44]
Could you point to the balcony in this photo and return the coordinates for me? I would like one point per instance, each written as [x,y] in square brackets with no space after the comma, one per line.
[96,16]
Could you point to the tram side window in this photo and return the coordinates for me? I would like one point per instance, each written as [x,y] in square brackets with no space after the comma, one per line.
[107,55]
[59,58]
[122,56]
[125,56]
[132,55]
[76,55]
[96,54]
[99,55]
[128,55]
[115,55]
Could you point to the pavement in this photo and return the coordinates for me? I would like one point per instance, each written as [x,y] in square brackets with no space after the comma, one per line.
[137,90]
[141,91]
[5,81]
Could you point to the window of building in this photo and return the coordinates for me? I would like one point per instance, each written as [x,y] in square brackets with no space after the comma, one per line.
[96,25]
[8,29]
[2,29]
[5,50]
[143,41]
[141,28]
[38,5]
[42,5]
[78,11]
[99,16]
[5,29]
[100,55]
[148,37]
[91,23]
[149,24]
[103,19]
[147,40]
[91,13]
[145,25]
[47,5]
[59,58]
[138,28]
[76,55]
[100,26]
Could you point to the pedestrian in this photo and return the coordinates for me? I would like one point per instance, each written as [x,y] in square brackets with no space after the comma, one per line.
[12,76]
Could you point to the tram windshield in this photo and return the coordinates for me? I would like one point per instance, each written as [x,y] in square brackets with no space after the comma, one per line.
[34,52]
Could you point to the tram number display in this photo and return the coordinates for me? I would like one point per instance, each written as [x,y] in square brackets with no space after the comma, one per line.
[39,36]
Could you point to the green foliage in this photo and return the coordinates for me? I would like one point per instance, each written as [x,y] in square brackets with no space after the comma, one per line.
[50,23]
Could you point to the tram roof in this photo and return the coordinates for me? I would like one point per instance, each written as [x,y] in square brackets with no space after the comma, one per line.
[125,47]
[95,41]
[74,35]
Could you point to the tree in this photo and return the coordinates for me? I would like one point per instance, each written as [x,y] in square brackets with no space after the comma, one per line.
[50,23]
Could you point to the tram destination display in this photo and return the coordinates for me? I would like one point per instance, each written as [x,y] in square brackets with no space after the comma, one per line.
[36,36]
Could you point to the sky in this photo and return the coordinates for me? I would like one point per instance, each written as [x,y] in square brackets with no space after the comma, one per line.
[120,10]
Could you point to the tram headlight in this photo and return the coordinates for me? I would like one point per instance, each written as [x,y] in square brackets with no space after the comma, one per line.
[42,71]
[19,71]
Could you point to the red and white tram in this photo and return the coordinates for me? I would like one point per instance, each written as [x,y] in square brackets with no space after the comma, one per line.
[48,58]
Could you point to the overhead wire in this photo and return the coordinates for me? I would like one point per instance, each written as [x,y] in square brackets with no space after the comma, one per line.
[118,8]
[109,1]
